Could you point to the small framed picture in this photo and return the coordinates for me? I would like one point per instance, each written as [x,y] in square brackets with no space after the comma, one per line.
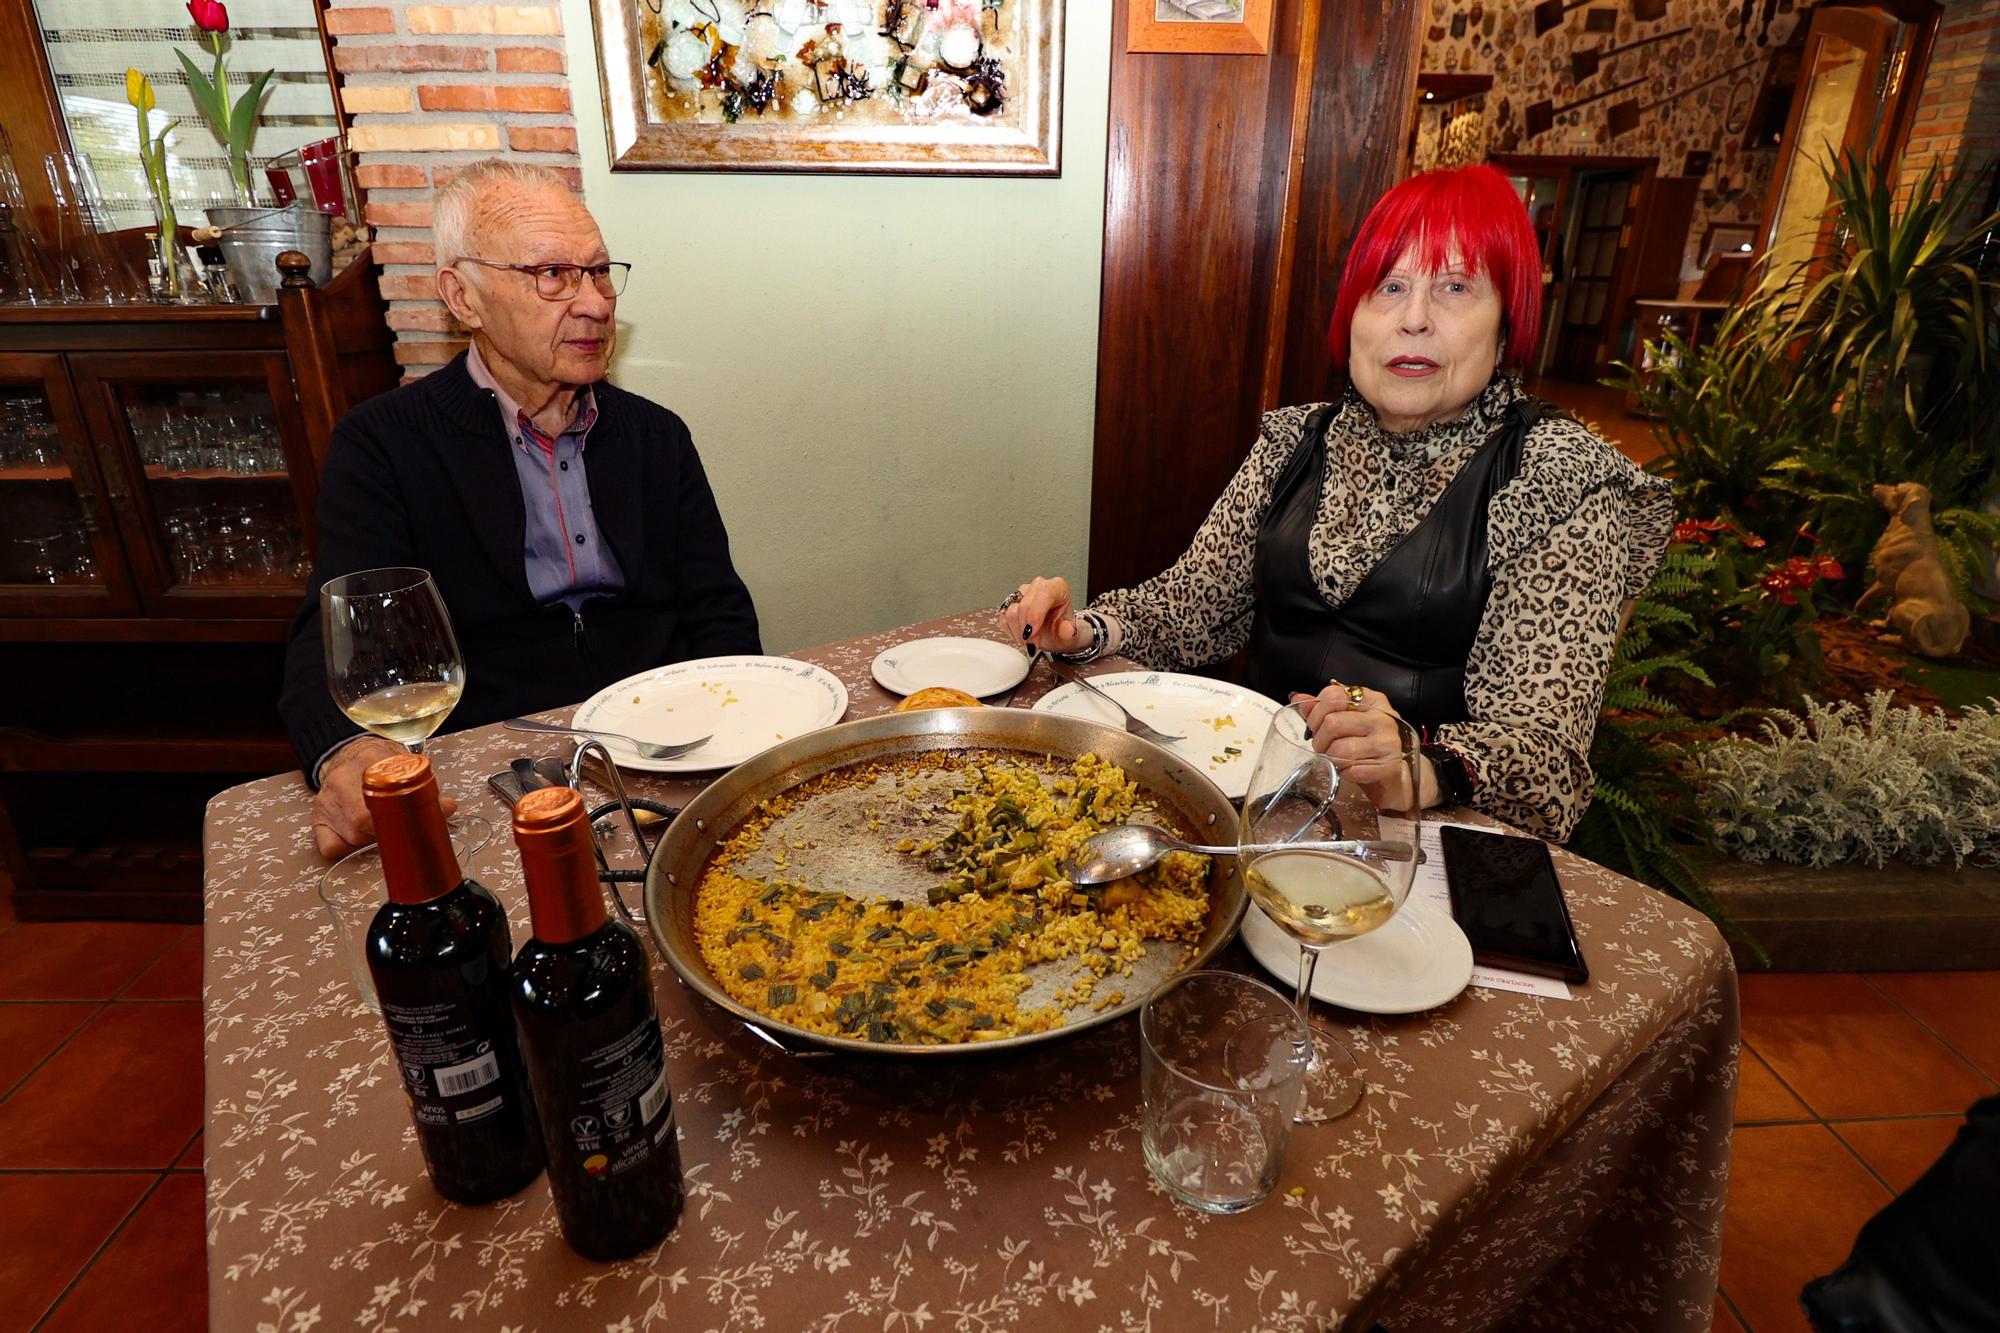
[1199,27]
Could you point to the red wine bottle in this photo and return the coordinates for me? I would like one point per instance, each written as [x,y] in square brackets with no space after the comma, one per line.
[583,996]
[438,951]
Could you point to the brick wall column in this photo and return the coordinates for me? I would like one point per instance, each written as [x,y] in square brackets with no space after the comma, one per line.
[1958,114]
[427,88]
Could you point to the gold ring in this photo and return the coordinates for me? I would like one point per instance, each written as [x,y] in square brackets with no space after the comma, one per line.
[1355,695]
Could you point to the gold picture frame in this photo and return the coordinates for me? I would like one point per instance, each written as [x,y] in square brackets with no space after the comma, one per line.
[1199,27]
[909,87]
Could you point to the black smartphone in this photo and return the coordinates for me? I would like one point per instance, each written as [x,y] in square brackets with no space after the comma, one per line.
[1507,900]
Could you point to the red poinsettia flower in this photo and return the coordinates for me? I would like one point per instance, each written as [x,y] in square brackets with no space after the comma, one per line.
[1829,568]
[1690,532]
[1777,586]
[209,15]
[1752,542]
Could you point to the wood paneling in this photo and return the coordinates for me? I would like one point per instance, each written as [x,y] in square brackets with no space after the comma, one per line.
[1233,184]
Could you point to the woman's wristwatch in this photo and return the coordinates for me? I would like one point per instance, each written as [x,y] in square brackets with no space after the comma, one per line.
[1454,774]
[1100,633]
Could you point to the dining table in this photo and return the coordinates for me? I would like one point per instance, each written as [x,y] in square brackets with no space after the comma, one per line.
[1517,1161]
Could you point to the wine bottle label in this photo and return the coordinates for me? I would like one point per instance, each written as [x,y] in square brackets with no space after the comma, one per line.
[449,1067]
[623,1109]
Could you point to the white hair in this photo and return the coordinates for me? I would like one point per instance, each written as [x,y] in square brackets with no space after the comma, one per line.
[455,207]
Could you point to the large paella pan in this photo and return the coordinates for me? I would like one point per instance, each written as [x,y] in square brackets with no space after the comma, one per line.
[860,819]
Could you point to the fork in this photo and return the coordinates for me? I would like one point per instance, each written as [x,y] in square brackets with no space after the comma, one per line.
[1132,724]
[646,749]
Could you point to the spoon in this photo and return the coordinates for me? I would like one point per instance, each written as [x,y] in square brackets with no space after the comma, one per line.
[646,749]
[1126,850]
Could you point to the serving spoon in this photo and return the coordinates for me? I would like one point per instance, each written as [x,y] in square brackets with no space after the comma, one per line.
[1126,850]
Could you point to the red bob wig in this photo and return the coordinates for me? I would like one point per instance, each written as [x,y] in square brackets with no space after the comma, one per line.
[1471,213]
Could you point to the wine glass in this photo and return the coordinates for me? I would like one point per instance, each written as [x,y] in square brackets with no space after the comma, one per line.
[1350,880]
[392,660]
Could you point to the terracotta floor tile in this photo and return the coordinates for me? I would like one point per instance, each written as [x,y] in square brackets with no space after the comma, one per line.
[1900,1150]
[1848,1052]
[153,1276]
[192,1159]
[176,976]
[1761,1096]
[1958,1006]
[1724,1322]
[1797,1199]
[126,1091]
[28,1032]
[49,1228]
[77,960]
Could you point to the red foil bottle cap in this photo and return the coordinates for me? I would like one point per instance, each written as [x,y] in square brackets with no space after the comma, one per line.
[552,829]
[417,861]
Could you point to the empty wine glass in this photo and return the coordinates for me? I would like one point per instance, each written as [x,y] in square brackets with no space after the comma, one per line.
[392,660]
[1323,895]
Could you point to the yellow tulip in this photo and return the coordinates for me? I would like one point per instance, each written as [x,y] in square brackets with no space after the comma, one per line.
[139,90]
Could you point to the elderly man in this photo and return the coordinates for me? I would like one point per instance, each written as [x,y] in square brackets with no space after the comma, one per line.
[567,523]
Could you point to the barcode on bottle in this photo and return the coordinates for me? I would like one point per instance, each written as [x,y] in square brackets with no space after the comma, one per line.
[653,1098]
[454,1080]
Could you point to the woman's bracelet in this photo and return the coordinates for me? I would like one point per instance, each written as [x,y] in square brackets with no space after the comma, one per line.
[1100,633]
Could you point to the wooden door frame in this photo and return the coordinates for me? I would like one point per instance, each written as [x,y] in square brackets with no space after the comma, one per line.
[1921,19]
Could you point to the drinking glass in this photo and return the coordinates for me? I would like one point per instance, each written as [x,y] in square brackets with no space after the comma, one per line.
[1326,893]
[1222,1064]
[392,660]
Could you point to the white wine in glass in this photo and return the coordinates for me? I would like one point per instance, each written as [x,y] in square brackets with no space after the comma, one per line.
[1317,896]
[392,660]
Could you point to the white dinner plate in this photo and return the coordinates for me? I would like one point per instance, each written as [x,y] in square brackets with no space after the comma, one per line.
[1418,960]
[980,667]
[1220,725]
[745,704]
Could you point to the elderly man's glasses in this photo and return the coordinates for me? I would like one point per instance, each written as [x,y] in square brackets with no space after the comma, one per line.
[559,282]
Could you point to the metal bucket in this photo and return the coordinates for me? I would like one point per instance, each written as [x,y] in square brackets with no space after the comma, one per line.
[253,238]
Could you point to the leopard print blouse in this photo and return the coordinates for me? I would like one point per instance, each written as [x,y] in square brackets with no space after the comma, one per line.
[1577,532]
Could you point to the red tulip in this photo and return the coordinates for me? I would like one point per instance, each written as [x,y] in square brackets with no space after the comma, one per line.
[209,15]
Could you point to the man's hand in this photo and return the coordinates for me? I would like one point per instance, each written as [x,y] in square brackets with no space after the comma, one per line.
[340,814]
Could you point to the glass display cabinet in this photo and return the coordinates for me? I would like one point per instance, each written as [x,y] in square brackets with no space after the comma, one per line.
[159,467]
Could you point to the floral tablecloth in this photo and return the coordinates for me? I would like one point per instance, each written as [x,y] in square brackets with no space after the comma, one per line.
[1516,1163]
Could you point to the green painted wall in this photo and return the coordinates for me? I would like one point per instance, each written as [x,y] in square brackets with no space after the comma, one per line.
[891,381]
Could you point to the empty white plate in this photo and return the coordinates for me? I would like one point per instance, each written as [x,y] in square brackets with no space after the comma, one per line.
[1221,726]
[744,704]
[1418,960]
[980,667]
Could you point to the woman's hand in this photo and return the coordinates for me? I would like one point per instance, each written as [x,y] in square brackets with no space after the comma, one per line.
[1039,616]
[1366,735]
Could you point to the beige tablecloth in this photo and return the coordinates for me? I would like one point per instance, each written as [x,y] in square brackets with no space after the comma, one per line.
[1516,1163]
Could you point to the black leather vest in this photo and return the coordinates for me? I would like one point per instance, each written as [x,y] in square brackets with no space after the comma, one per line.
[1410,624]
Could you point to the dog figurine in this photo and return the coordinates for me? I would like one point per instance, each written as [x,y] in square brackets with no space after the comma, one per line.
[1925,615]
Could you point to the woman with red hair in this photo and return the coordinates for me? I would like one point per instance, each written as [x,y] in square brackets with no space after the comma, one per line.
[1438,546]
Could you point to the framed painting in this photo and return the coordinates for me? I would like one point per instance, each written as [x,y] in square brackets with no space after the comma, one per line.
[1199,27]
[914,87]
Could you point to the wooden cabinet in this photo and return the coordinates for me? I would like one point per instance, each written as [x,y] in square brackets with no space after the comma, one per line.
[159,467]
